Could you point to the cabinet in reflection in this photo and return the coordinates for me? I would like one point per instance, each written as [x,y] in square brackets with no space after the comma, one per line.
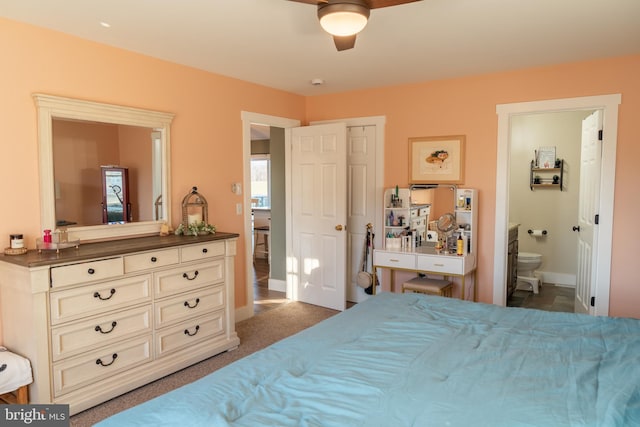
[116,207]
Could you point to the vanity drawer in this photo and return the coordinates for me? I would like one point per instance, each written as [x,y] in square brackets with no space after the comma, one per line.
[189,333]
[188,305]
[83,336]
[441,264]
[392,259]
[98,298]
[154,259]
[186,278]
[77,372]
[202,251]
[86,272]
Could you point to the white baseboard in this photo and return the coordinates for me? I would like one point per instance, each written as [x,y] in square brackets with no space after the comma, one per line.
[558,279]
[277,285]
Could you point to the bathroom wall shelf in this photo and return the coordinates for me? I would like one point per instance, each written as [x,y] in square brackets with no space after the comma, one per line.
[543,177]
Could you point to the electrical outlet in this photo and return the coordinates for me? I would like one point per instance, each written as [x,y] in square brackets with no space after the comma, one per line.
[236,188]
[238,208]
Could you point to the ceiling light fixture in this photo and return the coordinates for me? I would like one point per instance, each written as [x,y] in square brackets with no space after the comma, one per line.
[345,18]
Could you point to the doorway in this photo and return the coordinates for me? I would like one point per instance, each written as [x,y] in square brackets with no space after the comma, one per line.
[377,183]
[602,252]
[552,209]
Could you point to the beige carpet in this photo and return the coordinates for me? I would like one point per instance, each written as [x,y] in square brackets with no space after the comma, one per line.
[255,333]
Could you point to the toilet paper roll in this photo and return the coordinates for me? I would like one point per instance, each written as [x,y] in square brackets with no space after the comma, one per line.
[538,233]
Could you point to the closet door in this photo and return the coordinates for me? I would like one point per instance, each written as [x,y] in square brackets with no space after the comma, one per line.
[116,208]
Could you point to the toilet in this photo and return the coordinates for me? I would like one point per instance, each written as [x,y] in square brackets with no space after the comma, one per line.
[528,262]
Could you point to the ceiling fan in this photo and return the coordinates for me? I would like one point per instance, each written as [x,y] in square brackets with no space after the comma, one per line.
[344,19]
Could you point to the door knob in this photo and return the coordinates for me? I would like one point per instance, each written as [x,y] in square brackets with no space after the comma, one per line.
[339,227]
[576,228]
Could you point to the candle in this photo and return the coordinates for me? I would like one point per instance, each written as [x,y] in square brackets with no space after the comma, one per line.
[195,218]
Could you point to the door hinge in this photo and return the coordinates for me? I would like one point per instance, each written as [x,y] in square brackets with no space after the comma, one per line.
[600,135]
[596,220]
[593,301]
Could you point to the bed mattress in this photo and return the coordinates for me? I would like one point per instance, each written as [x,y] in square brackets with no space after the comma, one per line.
[420,360]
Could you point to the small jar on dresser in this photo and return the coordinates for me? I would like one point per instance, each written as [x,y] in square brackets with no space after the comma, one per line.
[108,317]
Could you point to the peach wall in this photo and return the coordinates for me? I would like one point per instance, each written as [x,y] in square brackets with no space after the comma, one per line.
[206,134]
[468,106]
[136,153]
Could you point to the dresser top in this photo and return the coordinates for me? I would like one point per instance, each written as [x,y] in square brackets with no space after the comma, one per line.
[109,248]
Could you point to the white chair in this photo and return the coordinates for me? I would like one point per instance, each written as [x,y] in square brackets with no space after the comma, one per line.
[15,377]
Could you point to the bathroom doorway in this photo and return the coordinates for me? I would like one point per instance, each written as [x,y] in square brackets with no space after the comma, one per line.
[545,208]
[600,277]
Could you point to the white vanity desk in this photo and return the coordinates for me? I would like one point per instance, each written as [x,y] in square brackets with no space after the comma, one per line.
[424,259]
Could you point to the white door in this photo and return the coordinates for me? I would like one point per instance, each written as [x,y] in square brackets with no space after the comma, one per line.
[317,266]
[361,200]
[589,199]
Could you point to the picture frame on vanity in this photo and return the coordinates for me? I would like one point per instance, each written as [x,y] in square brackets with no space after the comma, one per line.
[436,159]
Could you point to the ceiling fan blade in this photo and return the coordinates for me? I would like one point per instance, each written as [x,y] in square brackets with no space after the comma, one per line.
[344,42]
[377,4]
[313,2]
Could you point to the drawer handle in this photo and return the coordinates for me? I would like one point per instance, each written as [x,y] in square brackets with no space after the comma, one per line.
[113,326]
[111,292]
[186,276]
[205,250]
[186,303]
[394,260]
[439,265]
[186,331]
[91,271]
[113,359]
[154,259]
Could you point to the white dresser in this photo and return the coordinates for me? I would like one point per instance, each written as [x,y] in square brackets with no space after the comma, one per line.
[109,317]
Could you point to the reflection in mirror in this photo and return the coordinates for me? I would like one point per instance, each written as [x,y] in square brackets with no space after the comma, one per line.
[81,149]
[116,205]
[76,140]
[441,198]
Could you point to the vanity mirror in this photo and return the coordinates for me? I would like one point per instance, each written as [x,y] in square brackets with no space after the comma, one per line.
[78,140]
[441,197]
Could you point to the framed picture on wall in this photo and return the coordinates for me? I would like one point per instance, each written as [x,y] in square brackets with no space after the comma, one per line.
[546,157]
[436,159]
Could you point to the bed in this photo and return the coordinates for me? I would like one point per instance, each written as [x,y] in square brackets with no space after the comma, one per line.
[420,360]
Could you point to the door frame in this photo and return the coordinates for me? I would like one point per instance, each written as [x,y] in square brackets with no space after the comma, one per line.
[609,105]
[249,118]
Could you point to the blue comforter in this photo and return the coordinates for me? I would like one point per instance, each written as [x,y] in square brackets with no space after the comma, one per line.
[417,360]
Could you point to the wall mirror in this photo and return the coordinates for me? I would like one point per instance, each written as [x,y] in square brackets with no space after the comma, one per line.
[78,141]
[441,197]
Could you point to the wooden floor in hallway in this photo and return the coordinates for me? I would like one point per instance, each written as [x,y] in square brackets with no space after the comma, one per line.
[263,298]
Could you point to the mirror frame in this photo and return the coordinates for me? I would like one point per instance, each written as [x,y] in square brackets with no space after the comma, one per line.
[50,107]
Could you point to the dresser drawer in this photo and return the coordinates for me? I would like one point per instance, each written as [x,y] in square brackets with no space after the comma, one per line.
[98,298]
[441,264]
[186,278]
[189,305]
[86,272]
[154,259]
[83,336]
[394,260]
[202,251]
[188,333]
[74,373]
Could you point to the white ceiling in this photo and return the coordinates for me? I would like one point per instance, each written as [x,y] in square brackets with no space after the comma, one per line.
[280,44]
